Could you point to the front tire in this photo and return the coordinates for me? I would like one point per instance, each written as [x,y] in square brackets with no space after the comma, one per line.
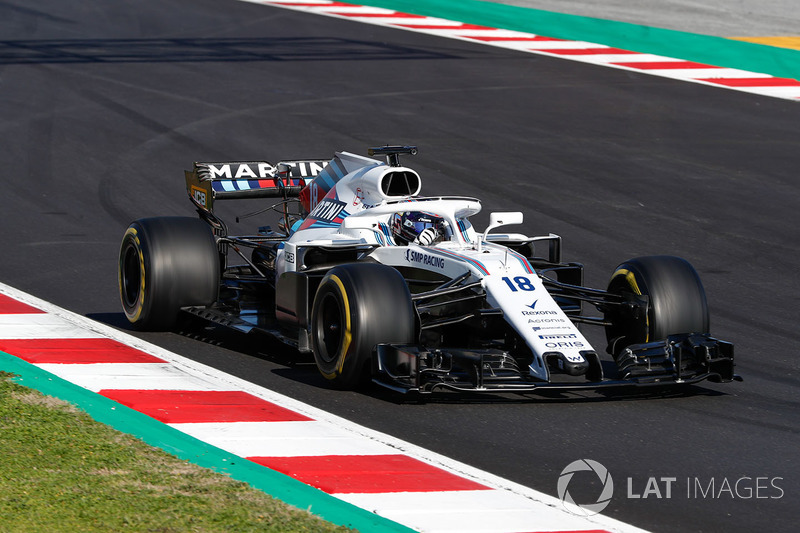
[356,307]
[166,263]
[677,301]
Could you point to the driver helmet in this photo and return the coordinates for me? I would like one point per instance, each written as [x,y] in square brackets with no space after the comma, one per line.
[418,227]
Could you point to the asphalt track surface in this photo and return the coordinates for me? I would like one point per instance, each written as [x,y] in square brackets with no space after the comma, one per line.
[104,104]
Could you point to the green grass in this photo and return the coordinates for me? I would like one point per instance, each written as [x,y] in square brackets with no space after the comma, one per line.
[63,471]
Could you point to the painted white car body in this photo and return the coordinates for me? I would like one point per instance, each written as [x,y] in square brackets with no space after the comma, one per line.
[491,312]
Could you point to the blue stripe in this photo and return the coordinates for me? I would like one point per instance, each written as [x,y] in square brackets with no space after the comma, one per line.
[386,231]
[473,262]
[521,259]
[323,224]
[463,227]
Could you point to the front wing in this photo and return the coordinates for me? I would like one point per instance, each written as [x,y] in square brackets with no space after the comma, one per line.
[680,359]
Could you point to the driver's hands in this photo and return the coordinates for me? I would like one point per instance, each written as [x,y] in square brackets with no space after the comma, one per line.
[426,237]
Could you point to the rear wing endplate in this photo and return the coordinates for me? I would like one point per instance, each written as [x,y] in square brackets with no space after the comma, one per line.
[207,182]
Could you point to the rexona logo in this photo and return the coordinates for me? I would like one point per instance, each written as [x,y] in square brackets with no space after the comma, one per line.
[594,469]
[241,171]
[413,256]
[327,210]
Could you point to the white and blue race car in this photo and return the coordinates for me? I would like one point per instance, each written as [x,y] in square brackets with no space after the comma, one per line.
[381,283]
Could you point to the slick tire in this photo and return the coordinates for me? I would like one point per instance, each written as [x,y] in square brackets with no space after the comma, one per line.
[166,263]
[677,301]
[356,307]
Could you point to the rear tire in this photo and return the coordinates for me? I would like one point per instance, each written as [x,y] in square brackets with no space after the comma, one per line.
[166,263]
[677,301]
[356,307]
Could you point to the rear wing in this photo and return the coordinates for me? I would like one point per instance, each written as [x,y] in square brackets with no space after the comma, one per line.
[207,182]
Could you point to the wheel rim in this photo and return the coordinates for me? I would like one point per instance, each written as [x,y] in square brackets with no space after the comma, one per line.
[633,332]
[131,278]
[330,328]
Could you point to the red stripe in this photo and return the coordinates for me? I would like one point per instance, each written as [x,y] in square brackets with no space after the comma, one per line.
[664,65]
[267,184]
[174,407]
[75,351]
[754,82]
[336,474]
[445,27]
[588,51]
[490,38]
[378,15]
[10,306]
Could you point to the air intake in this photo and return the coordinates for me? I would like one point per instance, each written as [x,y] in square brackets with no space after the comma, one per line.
[400,183]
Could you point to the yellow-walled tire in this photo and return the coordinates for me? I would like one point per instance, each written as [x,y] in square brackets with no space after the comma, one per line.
[166,263]
[677,300]
[356,307]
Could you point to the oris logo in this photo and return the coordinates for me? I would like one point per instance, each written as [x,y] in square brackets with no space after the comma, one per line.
[565,344]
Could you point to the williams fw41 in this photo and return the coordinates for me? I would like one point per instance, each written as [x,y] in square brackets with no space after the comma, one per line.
[381,283]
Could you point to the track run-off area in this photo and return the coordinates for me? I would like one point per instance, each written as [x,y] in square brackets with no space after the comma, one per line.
[105,105]
[504,35]
[379,483]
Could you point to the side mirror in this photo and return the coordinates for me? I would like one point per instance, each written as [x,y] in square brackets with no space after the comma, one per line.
[283,171]
[500,219]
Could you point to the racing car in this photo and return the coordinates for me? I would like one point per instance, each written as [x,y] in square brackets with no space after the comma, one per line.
[382,283]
